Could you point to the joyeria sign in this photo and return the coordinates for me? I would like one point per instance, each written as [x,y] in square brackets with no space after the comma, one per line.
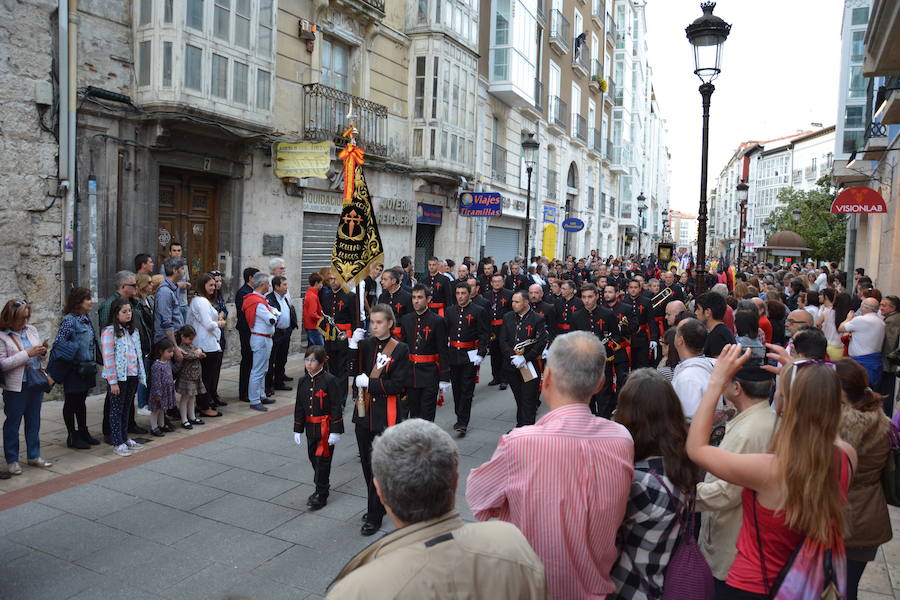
[858,199]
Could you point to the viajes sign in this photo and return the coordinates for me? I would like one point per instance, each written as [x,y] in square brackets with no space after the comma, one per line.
[859,199]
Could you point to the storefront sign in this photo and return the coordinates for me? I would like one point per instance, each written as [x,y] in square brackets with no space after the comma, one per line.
[573,224]
[476,204]
[393,211]
[550,214]
[429,214]
[328,203]
[858,199]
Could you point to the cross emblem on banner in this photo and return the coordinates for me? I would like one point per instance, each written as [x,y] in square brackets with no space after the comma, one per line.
[352,219]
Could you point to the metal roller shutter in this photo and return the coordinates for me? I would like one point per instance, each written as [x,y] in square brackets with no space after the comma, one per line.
[318,237]
[502,244]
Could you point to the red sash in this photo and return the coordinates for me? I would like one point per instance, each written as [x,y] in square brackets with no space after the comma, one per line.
[473,345]
[424,358]
[322,448]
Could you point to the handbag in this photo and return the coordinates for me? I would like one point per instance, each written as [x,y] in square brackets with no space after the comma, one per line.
[33,380]
[688,576]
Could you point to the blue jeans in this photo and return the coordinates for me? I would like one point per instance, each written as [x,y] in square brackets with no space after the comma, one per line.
[17,405]
[184,311]
[262,348]
[314,337]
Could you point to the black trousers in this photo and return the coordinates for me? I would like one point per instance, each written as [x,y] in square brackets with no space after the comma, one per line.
[497,362]
[337,359]
[246,365]
[321,464]
[74,410]
[604,403]
[422,402]
[105,425]
[364,439]
[281,344]
[886,387]
[462,382]
[526,395]
[640,351]
[209,375]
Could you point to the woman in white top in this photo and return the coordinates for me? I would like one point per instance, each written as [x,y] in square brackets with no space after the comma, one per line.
[205,319]
[827,324]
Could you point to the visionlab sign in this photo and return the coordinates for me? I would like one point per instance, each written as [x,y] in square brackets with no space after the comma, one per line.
[858,199]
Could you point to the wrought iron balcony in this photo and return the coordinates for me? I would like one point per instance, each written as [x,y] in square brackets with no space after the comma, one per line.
[596,70]
[559,31]
[610,91]
[551,184]
[498,163]
[372,10]
[876,130]
[324,113]
[559,113]
[595,140]
[579,128]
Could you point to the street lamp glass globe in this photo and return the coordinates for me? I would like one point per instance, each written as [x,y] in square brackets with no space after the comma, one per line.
[742,192]
[795,214]
[529,150]
[707,34]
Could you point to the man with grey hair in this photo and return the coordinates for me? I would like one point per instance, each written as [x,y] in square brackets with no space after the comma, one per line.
[416,472]
[261,318]
[867,338]
[565,481]
[276,267]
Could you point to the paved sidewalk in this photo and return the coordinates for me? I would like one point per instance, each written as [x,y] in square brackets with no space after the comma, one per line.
[222,512]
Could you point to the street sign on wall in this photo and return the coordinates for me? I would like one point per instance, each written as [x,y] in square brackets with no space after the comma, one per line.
[859,199]
[550,214]
[572,224]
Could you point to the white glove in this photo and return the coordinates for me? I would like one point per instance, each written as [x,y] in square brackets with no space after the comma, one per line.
[298,439]
[333,438]
[444,385]
[518,361]
[545,353]
[362,380]
[356,338]
[477,360]
[653,348]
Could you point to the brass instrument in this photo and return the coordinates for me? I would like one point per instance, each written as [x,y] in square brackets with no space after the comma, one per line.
[329,330]
[663,295]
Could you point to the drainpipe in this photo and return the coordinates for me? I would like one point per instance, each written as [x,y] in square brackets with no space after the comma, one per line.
[71,114]
[62,66]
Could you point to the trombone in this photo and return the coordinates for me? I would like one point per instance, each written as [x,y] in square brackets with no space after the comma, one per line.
[663,295]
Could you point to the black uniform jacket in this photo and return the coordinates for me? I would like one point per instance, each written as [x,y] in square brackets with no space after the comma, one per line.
[319,395]
[465,325]
[426,336]
[385,390]
[516,329]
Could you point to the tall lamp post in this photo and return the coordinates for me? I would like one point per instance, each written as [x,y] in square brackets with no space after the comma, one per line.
[529,151]
[707,35]
[743,191]
[665,228]
[641,208]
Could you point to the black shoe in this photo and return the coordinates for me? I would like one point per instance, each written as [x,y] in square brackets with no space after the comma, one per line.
[136,429]
[76,441]
[220,402]
[107,440]
[268,401]
[245,400]
[197,422]
[187,425]
[168,427]
[282,387]
[461,431]
[157,433]
[369,528]
[317,501]
[365,517]
[502,386]
[494,382]
[286,378]
[87,437]
[270,392]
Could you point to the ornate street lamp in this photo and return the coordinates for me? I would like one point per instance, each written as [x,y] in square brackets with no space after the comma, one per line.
[742,193]
[641,206]
[707,35]
[795,215]
[529,151]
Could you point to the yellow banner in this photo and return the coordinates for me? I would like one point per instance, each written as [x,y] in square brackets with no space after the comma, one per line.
[549,244]
[301,159]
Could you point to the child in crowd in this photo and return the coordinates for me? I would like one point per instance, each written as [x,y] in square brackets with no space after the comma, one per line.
[123,369]
[162,387]
[189,383]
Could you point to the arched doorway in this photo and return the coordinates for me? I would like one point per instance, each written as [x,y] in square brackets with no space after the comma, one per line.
[571,198]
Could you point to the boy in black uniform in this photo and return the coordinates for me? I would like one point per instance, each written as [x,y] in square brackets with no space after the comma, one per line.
[469,336]
[439,285]
[566,307]
[395,296]
[319,412]
[599,320]
[523,337]
[426,335]
[617,350]
[644,337]
[383,373]
[343,308]
[500,300]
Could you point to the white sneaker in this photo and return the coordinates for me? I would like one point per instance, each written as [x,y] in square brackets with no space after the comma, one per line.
[144,412]
[122,450]
[133,445]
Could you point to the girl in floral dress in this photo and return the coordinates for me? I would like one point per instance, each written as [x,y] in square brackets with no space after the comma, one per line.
[162,387]
[189,383]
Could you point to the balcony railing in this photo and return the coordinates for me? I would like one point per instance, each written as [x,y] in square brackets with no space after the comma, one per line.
[498,163]
[559,112]
[581,58]
[595,140]
[596,69]
[610,91]
[551,184]
[538,95]
[598,10]
[559,30]
[324,112]
[609,150]
[579,128]
[876,130]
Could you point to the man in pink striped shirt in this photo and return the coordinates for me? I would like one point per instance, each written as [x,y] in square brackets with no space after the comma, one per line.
[564,482]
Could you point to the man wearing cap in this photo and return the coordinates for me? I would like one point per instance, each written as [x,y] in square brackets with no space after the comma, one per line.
[747,433]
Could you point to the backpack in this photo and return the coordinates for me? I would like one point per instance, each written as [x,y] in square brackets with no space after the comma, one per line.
[688,576]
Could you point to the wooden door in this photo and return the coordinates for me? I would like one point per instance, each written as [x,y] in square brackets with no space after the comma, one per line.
[188,213]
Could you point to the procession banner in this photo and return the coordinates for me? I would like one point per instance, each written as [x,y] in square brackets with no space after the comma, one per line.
[357,245]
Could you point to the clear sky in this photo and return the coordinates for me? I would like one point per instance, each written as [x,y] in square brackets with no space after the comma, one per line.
[779,74]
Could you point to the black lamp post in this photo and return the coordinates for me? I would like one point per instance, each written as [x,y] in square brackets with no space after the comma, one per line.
[641,207]
[665,224]
[529,151]
[743,191]
[707,35]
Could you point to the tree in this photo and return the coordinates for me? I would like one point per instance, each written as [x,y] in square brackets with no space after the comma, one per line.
[823,231]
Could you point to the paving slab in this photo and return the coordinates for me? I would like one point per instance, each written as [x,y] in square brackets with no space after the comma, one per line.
[246,513]
[250,483]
